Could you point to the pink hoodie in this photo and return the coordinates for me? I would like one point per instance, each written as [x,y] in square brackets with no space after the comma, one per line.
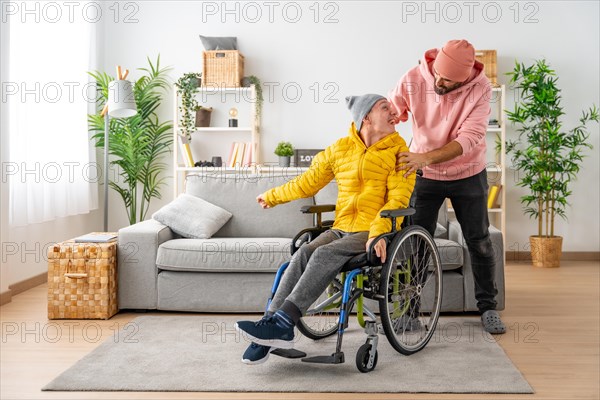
[461,115]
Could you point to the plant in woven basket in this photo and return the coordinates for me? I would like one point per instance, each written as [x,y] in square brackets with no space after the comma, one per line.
[548,157]
[187,87]
[136,144]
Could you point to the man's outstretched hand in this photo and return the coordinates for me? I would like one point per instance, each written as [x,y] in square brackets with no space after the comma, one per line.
[379,248]
[261,200]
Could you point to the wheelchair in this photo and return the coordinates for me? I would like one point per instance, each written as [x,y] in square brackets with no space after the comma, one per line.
[407,288]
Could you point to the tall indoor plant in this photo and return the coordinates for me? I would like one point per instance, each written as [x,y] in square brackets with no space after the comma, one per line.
[547,157]
[136,144]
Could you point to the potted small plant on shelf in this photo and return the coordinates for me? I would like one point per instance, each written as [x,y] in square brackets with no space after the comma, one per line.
[187,87]
[203,116]
[547,157]
[285,151]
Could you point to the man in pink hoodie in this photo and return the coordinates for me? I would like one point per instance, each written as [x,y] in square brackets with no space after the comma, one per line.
[448,97]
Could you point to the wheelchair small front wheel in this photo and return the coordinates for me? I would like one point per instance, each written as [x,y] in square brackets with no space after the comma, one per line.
[411,290]
[363,358]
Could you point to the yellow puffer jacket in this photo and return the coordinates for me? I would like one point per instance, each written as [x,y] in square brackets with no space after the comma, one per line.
[367,182]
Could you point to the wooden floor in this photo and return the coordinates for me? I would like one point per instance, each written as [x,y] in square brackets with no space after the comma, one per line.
[553,338]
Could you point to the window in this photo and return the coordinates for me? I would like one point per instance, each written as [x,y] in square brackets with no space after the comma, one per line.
[51,168]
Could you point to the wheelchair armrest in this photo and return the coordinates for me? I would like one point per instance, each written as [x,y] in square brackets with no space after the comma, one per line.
[400,212]
[306,235]
[317,209]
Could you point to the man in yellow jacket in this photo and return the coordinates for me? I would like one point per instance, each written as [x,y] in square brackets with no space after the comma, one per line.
[364,167]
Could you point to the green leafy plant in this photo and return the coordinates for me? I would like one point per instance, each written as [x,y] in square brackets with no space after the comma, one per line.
[284,149]
[136,144]
[548,157]
[498,144]
[187,87]
[253,80]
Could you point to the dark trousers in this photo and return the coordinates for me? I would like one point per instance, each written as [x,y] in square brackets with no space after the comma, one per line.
[469,200]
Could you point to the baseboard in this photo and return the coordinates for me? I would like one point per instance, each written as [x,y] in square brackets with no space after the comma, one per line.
[566,256]
[5,297]
[20,287]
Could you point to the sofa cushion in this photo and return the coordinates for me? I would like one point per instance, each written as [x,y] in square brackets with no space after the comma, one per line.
[451,254]
[224,254]
[192,217]
[237,194]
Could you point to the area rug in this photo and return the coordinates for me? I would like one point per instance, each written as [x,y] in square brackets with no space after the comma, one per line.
[203,353]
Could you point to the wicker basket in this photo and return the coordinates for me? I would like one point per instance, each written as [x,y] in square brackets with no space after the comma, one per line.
[82,280]
[488,58]
[222,68]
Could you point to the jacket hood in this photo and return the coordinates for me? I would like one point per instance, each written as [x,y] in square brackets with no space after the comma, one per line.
[477,74]
[393,139]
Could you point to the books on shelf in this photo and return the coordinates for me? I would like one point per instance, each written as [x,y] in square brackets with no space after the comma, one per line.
[186,151]
[493,196]
[96,237]
[240,154]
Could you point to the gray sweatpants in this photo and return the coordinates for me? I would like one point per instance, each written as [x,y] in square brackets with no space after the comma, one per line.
[315,265]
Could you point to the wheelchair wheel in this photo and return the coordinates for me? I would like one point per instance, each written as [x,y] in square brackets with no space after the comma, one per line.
[321,319]
[411,290]
[362,358]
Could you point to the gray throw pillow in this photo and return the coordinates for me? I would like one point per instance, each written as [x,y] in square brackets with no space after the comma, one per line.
[192,217]
[219,43]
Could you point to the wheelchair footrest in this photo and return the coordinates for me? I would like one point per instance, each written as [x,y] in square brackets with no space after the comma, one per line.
[335,358]
[289,353]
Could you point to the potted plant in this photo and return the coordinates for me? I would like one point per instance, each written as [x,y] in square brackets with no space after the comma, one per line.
[547,157]
[137,144]
[203,116]
[187,87]
[253,80]
[284,150]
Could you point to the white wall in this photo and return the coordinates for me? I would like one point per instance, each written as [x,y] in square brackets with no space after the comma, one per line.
[367,50]
[365,47]
[4,269]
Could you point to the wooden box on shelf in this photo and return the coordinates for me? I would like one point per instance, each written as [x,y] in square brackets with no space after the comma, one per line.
[222,68]
[82,280]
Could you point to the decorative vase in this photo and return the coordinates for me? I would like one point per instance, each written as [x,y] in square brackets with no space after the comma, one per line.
[284,161]
[546,251]
[203,117]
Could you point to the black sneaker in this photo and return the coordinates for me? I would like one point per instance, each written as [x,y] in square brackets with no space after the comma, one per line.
[256,354]
[268,332]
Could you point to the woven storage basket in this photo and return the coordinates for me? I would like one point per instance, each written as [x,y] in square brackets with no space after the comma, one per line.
[222,68]
[488,58]
[82,280]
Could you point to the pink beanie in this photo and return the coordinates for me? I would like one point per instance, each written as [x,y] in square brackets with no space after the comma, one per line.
[455,60]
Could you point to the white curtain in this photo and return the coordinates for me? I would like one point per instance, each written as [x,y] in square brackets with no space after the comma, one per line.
[52,168]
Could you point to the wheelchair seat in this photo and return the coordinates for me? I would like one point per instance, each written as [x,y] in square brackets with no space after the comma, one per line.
[358,261]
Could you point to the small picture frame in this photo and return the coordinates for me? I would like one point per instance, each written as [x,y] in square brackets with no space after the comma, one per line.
[303,157]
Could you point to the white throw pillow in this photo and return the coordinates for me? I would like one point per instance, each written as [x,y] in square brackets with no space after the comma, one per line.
[192,217]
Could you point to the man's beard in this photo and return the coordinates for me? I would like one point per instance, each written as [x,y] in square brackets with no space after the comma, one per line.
[442,90]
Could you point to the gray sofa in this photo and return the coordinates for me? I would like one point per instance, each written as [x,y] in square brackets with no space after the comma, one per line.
[233,271]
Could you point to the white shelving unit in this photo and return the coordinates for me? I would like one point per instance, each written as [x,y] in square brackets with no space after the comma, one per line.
[216,140]
[496,163]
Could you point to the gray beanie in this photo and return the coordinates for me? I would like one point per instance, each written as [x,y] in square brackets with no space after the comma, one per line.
[360,106]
